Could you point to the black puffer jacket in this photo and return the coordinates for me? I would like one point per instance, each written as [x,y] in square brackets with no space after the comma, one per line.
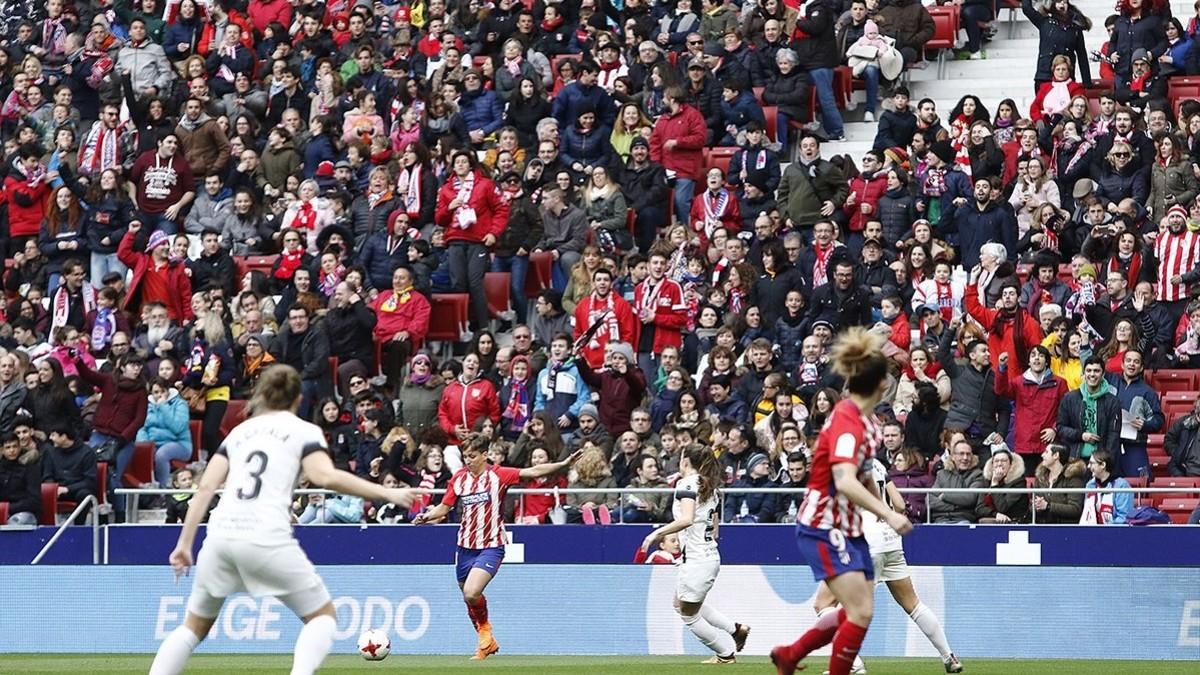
[523,230]
[789,92]
[819,48]
[1060,36]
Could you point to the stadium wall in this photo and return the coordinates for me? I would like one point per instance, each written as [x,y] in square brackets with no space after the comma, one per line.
[1020,612]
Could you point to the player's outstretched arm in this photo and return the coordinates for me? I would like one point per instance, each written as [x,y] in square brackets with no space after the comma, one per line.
[320,470]
[845,476]
[550,468]
[687,517]
[212,479]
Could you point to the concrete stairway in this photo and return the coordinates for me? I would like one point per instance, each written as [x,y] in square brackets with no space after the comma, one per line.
[1007,72]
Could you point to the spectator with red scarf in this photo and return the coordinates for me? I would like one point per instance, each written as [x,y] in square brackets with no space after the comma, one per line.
[402,320]
[715,207]
[291,258]
[156,278]
[27,186]
[865,191]
[661,316]
[608,309]
[1010,328]
[472,214]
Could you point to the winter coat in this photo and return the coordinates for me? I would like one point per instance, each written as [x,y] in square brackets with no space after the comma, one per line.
[380,260]
[314,354]
[237,231]
[714,26]
[205,148]
[1015,506]
[147,65]
[12,399]
[866,190]
[523,115]
[1003,339]
[575,97]
[801,197]
[482,111]
[1046,194]
[122,409]
[608,212]
[368,221]
[906,391]
[565,394]
[1061,508]
[1126,393]
[167,422]
[754,159]
[181,31]
[279,163]
[609,499]
[619,394]
[1131,34]
[1110,508]
[908,22]
[645,186]
[817,48]
[1070,423]
[179,284]
[896,129]
[770,293]
[973,400]
[1036,406]
[976,228]
[741,111]
[1181,445]
[523,228]
[107,219]
[843,309]
[350,333]
[590,148]
[1171,184]
[21,486]
[914,503]
[482,199]
[789,336]
[896,211]
[318,149]
[209,212]
[67,233]
[1059,36]
[564,232]
[26,204]
[789,92]
[73,468]
[463,403]
[216,271]
[690,133]
[956,507]
[419,405]
[506,83]
[760,506]
[1112,185]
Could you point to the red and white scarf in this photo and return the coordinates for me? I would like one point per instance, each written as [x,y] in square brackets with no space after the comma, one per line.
[945,299]
[62,304]
[306,216]
[597,309]
[715,206]
[102,154]
[821,267]
[650,294]
[411,179]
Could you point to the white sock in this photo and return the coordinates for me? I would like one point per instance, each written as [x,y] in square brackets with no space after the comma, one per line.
[858,664]
[313,644]
[709,635]
[174,651]
[928,622]
[717,619]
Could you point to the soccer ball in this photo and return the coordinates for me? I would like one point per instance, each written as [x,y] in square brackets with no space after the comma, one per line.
[374,645]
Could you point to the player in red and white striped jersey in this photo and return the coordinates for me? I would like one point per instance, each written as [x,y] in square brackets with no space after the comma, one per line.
[829,528]
[480,489]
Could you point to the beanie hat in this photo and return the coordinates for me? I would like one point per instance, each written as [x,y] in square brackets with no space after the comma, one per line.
[1178,209]
[157,238]
[589,410]
[1087,269]
[623,349]
[943,151]
[755,459]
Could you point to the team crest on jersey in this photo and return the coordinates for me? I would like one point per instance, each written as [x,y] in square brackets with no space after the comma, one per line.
[476,498]
[475,393]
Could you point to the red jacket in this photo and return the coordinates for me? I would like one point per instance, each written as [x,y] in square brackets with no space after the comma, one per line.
[730,217]
[411,316]
[463,404]
[1035,108]
[263,13]
[901,332]
[670,314]
[690,133]
[179,304]
[209,33]
[1002,340]
[26,205]
[865,191]
[122,409]
[1036,407]
[488,211]
[619,326]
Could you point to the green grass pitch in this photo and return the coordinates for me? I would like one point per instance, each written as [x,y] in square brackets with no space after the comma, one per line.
[568,665]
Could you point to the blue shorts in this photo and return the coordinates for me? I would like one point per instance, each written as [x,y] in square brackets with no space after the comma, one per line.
[830,553]
[486,559]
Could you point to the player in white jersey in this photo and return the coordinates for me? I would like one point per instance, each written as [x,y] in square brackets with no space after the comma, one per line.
[249,545]
[887,556]
[697,513]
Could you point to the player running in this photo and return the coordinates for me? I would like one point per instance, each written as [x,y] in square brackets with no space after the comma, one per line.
[249,545]
[887,557]
[481,539]
[829,528]
[697,513]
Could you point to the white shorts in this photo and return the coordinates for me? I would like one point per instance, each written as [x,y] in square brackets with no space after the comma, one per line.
[696,579]
[890,566]
[227,566]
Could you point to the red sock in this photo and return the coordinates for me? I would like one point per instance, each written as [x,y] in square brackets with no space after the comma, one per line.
[474,615]
[846,644]
[818,636]
[479,611]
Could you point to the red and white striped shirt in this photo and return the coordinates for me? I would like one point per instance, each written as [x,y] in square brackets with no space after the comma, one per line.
[849,437]
[482,500]
[1177,254]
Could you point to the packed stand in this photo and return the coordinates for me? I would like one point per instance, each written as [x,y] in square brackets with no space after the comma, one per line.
[195,192]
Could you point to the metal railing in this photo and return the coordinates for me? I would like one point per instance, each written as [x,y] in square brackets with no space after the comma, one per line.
[89,500]
[132,494]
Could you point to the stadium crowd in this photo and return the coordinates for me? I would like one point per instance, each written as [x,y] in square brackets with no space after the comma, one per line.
[1027,268]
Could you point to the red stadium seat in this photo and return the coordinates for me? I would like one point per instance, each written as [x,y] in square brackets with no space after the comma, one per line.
[262,263]
[3,513]
[1179,482]
[448,320]
[49,503]
[1182,88]
[718,157]
[758,92]
[235,414]
[496,286]
[946,22]
[1179,509]
[141,467]
[770,114]
[631,221]
[102,482]
[1158,467]
[1167,380]
[843,85]
[540,271]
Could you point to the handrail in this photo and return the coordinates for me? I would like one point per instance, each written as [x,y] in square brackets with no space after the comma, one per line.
[737,491]
[88,500]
